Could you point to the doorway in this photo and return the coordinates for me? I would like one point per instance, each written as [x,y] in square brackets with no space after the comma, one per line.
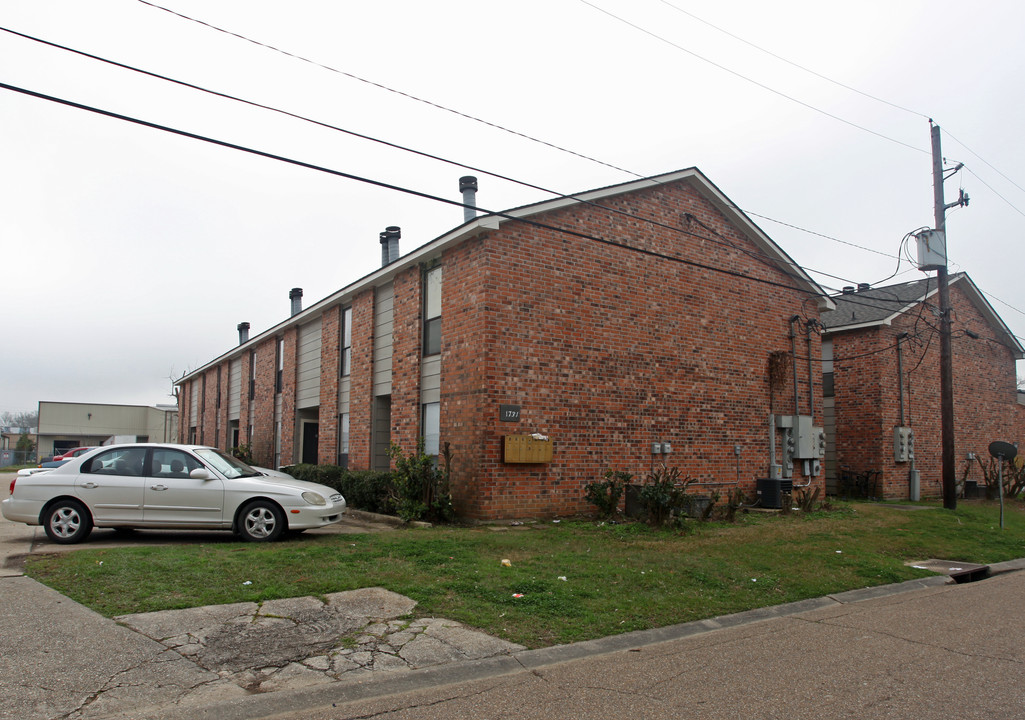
[311,442]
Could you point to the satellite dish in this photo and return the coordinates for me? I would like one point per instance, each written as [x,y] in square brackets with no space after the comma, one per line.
[1006,450]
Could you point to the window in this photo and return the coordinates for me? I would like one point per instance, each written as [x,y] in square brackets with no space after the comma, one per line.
[346,353]
[432,312]
[827,385]
[192,435]
[127,462]
[432,428]
[281,365]
[172,463]
[343,440]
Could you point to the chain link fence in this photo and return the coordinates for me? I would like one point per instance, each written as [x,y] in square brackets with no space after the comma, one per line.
[17,457]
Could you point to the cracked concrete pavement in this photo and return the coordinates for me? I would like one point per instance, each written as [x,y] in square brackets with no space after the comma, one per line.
[58,659]
[298,642]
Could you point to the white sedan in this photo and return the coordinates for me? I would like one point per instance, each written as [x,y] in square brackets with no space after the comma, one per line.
[168,486]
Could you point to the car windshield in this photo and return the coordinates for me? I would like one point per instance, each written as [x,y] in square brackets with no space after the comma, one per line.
[226,465]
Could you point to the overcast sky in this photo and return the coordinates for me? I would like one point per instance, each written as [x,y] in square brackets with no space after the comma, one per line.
[130,255]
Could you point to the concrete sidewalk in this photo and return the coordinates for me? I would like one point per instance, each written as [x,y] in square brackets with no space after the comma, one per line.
[59,659]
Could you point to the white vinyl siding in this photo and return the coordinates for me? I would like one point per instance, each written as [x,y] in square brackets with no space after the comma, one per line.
[383,323]
[307,391]
[194,393]
[234,388]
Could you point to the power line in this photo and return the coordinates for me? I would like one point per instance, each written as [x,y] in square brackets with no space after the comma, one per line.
[751,80]
[991,167]
[761,256]
[794,64]
[380,86]
[399,188]
[758,255]
[808,105]
[1009,203]
[439,106]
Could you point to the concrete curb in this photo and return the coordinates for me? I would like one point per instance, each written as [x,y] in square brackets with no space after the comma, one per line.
[379,519]
[256,706]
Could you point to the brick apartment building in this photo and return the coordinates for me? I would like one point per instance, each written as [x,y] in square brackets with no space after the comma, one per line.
[881,371]
[617,328]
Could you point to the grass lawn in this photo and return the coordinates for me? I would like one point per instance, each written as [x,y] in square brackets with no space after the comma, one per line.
[578,579]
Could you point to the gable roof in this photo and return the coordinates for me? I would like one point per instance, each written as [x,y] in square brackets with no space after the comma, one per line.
[875,307]
[490,221]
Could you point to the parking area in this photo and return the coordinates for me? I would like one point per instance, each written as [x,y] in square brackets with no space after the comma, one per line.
[18,540]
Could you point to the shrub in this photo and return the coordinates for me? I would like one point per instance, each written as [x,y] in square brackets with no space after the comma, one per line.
[243,452]
[605,494]
[662,493]
[420,486]
[369,490]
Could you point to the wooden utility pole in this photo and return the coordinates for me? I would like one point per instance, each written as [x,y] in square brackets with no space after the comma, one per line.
[946,364]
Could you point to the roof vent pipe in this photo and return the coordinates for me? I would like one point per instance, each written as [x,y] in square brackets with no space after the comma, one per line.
[468,187]
[862,287]
[243,333]
[296,296]
[390,244]
[848,289]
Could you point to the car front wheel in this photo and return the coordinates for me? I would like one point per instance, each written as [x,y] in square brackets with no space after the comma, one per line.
[261,521]
[67,522]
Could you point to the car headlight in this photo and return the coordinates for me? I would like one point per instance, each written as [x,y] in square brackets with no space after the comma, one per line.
[313,498]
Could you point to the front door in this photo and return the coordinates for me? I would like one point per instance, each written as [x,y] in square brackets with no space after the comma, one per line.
[311,442]
[381,440]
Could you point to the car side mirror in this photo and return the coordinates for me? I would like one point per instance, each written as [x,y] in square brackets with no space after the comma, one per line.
[201,474]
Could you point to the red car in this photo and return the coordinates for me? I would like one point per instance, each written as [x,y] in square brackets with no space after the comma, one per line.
[67,456]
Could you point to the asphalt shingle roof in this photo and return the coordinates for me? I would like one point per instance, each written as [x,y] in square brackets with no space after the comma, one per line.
[875,305]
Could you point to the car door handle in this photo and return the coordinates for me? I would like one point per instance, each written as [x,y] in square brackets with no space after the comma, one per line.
[158,487]
[89,485]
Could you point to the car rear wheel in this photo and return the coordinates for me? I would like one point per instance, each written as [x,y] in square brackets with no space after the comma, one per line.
[67,521]
[261,521]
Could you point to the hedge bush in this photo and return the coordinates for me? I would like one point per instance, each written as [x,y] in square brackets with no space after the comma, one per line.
[370,490]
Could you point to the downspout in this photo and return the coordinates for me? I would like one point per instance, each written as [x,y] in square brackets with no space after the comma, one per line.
[811,387]
[793,362]
[900,375]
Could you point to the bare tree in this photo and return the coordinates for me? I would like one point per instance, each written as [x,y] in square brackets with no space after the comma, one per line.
[19,419]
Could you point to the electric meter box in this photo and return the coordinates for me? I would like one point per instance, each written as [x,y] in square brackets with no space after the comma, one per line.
[903,444]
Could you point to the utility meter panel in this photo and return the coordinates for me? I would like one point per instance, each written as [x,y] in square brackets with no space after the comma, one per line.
[801,441]
[903,444]
[807,447]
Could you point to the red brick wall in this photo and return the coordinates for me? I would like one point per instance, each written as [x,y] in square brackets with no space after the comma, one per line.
[607,350]
[263,403]
[208,410]
[330,334]
[289,378]
[362,380]
[867,401]
[184,395]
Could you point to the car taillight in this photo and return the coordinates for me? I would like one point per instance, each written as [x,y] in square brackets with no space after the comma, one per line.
[14,480]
